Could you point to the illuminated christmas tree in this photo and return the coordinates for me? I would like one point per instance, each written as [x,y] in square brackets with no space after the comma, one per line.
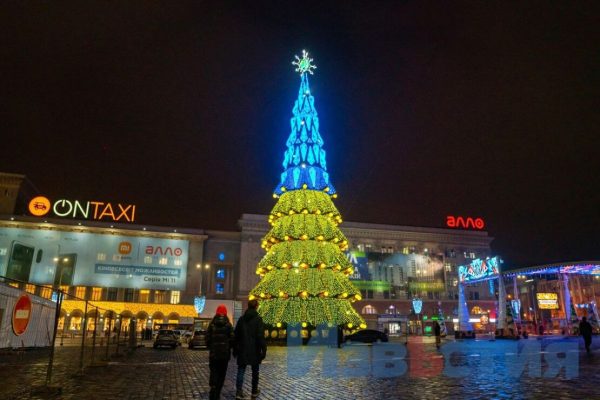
[305,271]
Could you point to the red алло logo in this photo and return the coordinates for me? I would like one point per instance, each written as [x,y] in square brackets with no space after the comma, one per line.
[465,222]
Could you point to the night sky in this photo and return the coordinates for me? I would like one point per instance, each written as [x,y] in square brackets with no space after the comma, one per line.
[182,108]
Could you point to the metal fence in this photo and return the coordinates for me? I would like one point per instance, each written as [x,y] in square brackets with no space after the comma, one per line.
[66,341]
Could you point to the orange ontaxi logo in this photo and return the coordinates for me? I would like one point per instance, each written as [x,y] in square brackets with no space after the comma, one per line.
[39,206]
[125,248]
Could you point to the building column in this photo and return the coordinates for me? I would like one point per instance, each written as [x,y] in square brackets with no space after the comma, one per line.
[567,301]
[463,310]
[501,317]
[516,298]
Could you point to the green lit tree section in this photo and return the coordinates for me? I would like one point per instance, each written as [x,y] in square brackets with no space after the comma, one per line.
[305,272]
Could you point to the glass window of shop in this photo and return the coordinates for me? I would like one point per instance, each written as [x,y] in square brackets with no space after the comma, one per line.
[97,293]
[46,292]
[80,292]
[144,295]
[129,295]
[159,296]
[175,296]
[111,294]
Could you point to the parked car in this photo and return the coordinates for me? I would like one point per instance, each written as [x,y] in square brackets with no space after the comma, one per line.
[367,336]
[165,337]
[198,340]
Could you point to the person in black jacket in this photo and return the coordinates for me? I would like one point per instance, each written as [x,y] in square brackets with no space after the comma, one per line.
[219,339]
[437,330]
[585,330]
[250,347]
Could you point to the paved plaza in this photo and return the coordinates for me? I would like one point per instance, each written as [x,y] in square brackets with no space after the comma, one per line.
[318,373]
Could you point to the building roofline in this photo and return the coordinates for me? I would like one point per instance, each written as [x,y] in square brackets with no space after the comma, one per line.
[102,227]
[379,227]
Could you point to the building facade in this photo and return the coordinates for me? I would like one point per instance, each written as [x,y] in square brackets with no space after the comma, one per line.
[394,265]
[173,267]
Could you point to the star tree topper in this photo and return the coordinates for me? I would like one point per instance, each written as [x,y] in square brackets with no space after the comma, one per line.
[304,64]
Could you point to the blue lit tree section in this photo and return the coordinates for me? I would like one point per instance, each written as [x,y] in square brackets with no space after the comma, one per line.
[305,274]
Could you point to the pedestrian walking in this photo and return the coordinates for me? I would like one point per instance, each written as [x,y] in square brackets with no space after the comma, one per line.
[250,348]
[219,340]
[437,329]
[585,330]
[340,336]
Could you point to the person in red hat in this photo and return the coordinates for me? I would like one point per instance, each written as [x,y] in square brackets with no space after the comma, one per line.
[219,339]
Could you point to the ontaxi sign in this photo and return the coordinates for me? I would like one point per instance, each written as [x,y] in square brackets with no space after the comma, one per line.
[21,315]
[97,210]
[465,222]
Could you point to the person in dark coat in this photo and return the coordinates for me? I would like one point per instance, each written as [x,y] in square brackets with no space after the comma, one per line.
[437,329]
[585,330]
[340,336]
[219,340]
[250,347]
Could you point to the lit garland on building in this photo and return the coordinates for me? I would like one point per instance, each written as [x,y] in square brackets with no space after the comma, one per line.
[304,275]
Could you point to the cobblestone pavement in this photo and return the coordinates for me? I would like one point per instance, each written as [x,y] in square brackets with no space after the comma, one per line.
[317,373]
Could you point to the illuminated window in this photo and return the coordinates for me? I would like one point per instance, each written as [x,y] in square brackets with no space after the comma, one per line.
[65,289]
[3,251]
[147,260]
[369,309]
[144,295]
[13,284]
[80,292]
[175,295]
[405,250]
[46,292]
[219,288]
[360,247]
[96,293]
[159,296]
[30,288]
[163,261]
[116,257]
[448,267]
[178,262]
[101,256]
[220,273]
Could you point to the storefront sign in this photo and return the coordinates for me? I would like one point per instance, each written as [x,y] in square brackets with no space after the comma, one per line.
[547,301]
[426,286]
[90,259]
[464,222]
[21,315]
[95,210]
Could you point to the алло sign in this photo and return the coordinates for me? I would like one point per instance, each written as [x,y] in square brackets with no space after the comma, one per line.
[96,210]
[464,222]
[21,315]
